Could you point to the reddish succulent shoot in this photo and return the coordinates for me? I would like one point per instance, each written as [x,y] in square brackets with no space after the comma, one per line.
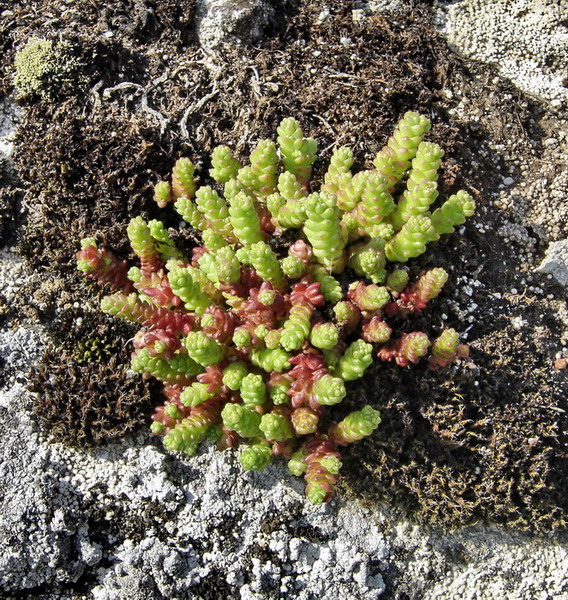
[103,266]
[254,341]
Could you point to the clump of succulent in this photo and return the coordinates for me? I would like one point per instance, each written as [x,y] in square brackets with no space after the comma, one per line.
[254,343]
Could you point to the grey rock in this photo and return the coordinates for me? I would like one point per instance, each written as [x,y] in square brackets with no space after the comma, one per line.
[382,6]
[40,517]
[555,262]
[235,22]
[11,116]
[524,39]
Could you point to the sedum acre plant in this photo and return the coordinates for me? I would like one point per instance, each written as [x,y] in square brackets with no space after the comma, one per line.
[254,338]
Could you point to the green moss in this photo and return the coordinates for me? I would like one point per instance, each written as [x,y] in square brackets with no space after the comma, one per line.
[43,68]
[92,350]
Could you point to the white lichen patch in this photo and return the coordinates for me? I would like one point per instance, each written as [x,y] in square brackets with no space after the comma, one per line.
[526,40]
[231,21]
[380,6]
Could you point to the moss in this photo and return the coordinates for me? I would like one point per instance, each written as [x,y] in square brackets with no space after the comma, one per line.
[85,404]
[92,349]
[8,214]
[82,169]
[482,443]
[44,68]
[84,395]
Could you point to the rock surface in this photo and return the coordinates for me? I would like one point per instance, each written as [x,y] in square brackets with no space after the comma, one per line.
[526,40]
[556,262]
[231,21]
[199,527]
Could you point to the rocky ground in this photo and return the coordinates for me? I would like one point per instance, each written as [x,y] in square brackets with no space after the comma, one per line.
[461,492]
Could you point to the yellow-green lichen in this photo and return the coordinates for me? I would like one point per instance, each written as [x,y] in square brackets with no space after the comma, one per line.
[42,67]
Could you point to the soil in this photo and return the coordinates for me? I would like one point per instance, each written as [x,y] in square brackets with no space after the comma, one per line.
[486,440]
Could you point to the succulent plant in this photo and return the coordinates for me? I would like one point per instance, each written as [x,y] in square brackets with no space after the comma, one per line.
[240,333]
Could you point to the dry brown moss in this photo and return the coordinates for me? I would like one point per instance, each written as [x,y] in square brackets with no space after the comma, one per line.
[488,442]
[84,394]
[86,174]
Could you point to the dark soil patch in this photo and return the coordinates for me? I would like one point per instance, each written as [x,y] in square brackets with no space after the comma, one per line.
[449,450]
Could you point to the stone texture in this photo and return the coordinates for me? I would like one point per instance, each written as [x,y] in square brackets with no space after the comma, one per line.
[234,22]
[525,39]
[555,262]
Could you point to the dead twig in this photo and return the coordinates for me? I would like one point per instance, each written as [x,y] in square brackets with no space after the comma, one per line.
[197,106]
[121,86]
